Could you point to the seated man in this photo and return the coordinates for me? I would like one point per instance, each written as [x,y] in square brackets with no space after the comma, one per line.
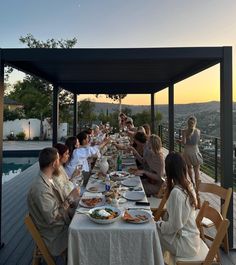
[48,207]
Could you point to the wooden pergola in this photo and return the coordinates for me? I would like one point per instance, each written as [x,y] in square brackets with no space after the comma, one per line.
[128,71]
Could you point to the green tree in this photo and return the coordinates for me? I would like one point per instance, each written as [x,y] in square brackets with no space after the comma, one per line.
[36,94]
[86,113]
[11,115]
[115,97]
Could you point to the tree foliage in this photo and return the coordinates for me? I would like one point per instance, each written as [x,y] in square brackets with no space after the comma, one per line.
[30,41]
[115,97]
[36,94]
[86,112]
[11,115]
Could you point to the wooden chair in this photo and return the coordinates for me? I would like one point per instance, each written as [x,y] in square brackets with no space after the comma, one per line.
[225,196]
[41,250]
[207,255]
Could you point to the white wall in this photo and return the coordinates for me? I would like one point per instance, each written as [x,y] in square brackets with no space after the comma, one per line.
[33,129]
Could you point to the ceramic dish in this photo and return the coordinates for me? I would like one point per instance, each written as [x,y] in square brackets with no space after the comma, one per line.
[96,188]
[130,182]
[91,202]
[133,195]
[96,214]
[137,216]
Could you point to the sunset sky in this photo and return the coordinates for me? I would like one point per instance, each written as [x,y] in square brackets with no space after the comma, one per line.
[129,23]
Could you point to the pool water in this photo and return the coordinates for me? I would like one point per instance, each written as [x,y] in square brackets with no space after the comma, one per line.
[13,166]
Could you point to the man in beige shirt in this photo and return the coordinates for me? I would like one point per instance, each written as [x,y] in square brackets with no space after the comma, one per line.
[48,207]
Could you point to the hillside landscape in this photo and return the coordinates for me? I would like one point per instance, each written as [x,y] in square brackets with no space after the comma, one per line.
[207,113]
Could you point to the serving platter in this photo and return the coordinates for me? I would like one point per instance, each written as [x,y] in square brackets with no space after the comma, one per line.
[134,195]
[95,214]
[137,216]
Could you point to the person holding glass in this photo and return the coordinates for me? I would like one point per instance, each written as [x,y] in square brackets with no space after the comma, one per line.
[152,162]
[62,179]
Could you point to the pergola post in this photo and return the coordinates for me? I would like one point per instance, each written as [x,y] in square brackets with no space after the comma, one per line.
[153,113]
[1,138]
[75,112]
[226,130]
[55,114]
[171,117]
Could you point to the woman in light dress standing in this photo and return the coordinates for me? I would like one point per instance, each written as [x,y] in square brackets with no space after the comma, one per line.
[192,155]
[179,233]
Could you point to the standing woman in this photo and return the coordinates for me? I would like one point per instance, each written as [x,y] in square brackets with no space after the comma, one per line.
[179,234]
[192,155]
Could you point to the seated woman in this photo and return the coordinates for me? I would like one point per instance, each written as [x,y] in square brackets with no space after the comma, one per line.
[153,165]
[72,143]
[179,234]
[62,180]
[80,155]
[139,142]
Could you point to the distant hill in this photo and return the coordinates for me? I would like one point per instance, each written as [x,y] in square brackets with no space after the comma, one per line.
[207,113]
[180,109]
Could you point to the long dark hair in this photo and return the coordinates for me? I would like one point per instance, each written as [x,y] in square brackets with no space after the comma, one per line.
[70,143]
[176,172]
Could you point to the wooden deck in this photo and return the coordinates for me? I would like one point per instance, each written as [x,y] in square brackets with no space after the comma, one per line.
[18,243]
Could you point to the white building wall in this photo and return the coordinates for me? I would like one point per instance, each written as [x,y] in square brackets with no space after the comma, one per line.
[33,129]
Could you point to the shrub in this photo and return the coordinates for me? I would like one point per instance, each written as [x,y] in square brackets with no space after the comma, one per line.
[11,137]
[21,136]
[36,138]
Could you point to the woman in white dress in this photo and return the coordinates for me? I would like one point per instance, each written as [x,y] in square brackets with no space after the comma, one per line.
[80,155]
[179,233]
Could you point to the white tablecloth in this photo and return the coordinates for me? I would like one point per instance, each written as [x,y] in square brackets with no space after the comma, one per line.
[119,243]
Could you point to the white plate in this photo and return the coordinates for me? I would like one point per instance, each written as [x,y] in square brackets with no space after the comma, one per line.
[130,182]
[119,175]
[83,204]
[134,195]
[122,200]
[136,214]
[96,188]
[104,221]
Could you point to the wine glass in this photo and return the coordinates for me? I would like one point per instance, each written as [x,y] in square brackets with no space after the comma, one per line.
[78,180]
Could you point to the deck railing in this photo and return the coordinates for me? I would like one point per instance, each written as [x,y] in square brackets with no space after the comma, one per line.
[209,147]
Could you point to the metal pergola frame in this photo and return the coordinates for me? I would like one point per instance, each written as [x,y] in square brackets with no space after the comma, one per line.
[128,71]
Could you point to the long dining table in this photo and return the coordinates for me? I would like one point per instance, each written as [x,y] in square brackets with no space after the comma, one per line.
[120,242]
[116,243]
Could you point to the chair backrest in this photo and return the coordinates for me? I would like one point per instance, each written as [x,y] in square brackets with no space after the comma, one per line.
[224,194]
[39,241]
[221,225]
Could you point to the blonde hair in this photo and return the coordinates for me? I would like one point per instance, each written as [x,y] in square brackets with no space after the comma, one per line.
[190,131]
[155,142]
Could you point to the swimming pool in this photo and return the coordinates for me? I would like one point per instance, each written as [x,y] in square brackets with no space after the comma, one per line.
[13,166]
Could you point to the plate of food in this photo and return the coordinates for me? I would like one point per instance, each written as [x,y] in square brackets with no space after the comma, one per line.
[137,216]
[91,202]
[96,188]
[133,195]
[104,214]
[119,175]
[132,170]
[130,182]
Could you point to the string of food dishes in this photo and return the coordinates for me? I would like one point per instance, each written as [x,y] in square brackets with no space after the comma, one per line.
[124,187]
